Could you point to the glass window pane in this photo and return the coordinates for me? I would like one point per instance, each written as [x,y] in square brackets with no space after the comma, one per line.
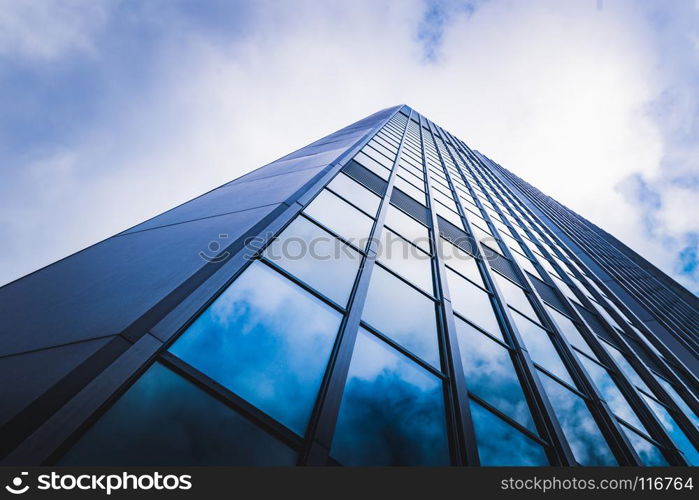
[569,330]
[392,410]
[409,189]
[403,314]
[472,302]
[266,340]
[584,437]
[492,432]
[460,261]
[317,258]
[408,228]
[626,367]
[515,297]
[341,217]
[673,429]
[525,263]
[355,193]
[542,351]
[649,454]
[405,259]
[165,420]
[678,400]
[611,393]
[490,374]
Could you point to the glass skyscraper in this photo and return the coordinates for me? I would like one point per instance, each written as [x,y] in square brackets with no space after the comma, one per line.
[383,296]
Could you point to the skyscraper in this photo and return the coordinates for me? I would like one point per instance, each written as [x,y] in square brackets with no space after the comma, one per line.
[383,296]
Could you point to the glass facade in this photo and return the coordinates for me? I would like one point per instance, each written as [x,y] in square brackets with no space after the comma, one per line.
[413,285]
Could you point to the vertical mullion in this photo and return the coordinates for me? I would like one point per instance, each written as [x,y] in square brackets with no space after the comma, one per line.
[464,436]
[324,418]
[607,421]
[558,450]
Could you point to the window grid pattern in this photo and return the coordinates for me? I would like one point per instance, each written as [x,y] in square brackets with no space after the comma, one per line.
[412,178]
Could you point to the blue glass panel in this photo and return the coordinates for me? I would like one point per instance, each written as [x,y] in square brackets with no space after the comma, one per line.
[569,330]
[317,258]
[392,410]
[408,228]
[678,400]
[266,340]
[500,444]
[472,303]
[540,347]
[460,261]
[515,297]
[490,374]
[341,217]
[355,193]
[165,420]
[626,367]
[405,259]
[584,437]
[649,454]
[611,393]
[402,313]
[673,429]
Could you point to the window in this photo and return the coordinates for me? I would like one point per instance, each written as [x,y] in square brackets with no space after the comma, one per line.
[403,314]
[267,340]
[341,217]
[569,330]
[373,165]
[408,228]
[392,410]
[500,444]
[405,259]
[490,374]
[626,368]
[538,343]
[355,193]
[515,297]
[649,454]
[317,258]
[674,431]
[472,303]
[165,420]
[584,437]
[461,261]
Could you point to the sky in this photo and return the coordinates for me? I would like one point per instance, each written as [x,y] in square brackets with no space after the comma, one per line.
[115,111]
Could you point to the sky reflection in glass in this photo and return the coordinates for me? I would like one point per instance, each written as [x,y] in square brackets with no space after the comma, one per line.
[540,347]
[164,419]
[410,262]
[317,258]
[649,454]
[341,217]
[674,431]
[584,437]
[392,410]
[266,340]
[472,302]
[515,297]
[490,374]
[355,193]
[402,313]
[408,228]
[500,444]
[569,330]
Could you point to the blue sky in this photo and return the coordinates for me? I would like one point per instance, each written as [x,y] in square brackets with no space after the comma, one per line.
[114,111]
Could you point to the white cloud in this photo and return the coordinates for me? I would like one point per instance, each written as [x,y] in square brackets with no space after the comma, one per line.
[557,92]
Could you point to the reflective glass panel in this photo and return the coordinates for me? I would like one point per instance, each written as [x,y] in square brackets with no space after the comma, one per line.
[355,193]
[408,228]
[675,432]
[164,420]
[569,330]
[490,374]
[405,259]
[392,410]
[626,367]
[584,437]
[402,313]
[678,400]
[460,261]
[317,258]
[611,393]
[515,297]
[472,302]
[491,435]
[341,217]
[649,454]
[267,340]
[540,347]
